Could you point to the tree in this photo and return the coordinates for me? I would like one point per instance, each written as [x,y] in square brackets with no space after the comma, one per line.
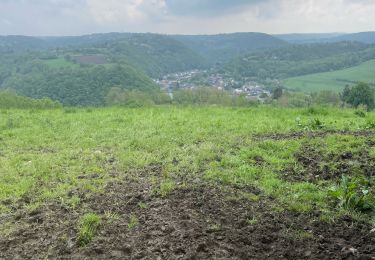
[361,94]
[277,93]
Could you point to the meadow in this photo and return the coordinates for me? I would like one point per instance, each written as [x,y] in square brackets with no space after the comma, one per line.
[334,80]
[241,182]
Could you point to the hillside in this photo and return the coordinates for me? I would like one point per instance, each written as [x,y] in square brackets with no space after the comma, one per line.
[335,80]
[223,47]
[365,37]
[297,60]
[70,83]
[15,43]
[302,38]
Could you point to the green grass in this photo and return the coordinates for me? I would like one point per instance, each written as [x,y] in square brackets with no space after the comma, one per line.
[44,154]
[335,80]
[87,228]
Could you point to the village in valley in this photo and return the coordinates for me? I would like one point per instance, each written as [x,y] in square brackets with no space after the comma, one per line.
[190,80]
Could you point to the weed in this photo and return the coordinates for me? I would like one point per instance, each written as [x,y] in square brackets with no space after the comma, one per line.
[252,221]
[142,205]
[360,113]
[111,216]
[214,228]
[353,195]
[370,124]
[87,228]
[133,222]
[166,187]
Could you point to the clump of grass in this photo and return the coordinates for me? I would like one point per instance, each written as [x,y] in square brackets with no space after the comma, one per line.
[312,124]
[166,187]
[142,205]
[133,222]
[87,228]
[214,228]
[370,124]
[360,113]
[252,221]
[111,216]
[70,110]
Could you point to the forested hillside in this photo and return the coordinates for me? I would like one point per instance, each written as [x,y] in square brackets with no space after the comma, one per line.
[79,85]
[296,60]
[223,47]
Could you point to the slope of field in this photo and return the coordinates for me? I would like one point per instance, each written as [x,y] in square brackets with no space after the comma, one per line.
[335,80]
[186,183]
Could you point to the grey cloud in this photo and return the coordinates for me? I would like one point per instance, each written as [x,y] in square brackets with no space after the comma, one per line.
[208,7]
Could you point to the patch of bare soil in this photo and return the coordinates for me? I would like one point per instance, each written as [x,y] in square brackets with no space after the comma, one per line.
[201,222]
[317,166]
[312,134]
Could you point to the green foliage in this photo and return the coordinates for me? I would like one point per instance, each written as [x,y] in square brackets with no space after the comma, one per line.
[78,86]
[326,98]
[166,187]
[210,96]
[277,93]
[9,99]
[361,94]
[297,60]
[352,193]
[135,98]
[311,124]
[133,222]
[224,47]
[87,228]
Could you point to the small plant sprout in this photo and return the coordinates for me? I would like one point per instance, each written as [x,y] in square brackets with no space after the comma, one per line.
[133,222]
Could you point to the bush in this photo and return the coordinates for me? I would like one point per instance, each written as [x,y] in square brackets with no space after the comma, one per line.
[361,94]
[9,99]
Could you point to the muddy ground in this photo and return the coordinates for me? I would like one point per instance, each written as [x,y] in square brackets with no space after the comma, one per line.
[197,222]
[317,166]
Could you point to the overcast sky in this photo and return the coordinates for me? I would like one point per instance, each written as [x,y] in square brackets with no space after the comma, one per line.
[75,17]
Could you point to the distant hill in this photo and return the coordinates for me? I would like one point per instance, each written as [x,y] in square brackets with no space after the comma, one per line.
[223,47]
[302,38]
[297,60]
[20,43]
[154,54]
[365,37]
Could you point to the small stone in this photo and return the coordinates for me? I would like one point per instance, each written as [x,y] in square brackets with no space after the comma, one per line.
[372,230]
[308,253]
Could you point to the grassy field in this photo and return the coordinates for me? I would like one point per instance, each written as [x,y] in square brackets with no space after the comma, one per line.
[335,80]
[59,63]
[75,181]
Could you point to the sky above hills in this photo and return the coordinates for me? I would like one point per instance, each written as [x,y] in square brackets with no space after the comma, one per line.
[74,17]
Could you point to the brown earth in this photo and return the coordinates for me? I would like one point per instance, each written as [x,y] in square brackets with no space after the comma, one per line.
[317,166]
[199,221]
[312,134]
